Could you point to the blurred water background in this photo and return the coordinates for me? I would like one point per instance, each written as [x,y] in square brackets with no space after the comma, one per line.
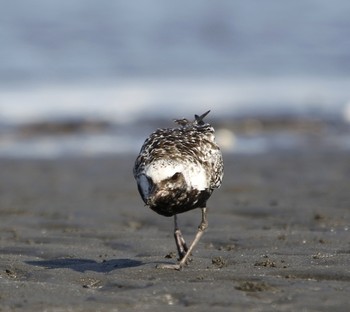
[84,77]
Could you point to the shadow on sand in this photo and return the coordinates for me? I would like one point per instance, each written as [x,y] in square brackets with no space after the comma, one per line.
[82,265]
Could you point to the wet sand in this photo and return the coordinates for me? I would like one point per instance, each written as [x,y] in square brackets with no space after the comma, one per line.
[75,236]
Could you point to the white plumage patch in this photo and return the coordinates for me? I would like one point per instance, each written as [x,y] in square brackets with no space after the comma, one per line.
[163,169]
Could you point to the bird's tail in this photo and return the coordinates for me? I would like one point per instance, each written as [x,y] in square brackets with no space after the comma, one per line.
[199,119]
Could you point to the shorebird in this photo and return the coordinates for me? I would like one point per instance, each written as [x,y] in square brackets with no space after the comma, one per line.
[177,170]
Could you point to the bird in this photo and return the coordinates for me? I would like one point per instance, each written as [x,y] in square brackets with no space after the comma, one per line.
[177,170]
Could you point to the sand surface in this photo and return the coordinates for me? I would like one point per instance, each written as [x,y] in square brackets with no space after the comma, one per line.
[75,236]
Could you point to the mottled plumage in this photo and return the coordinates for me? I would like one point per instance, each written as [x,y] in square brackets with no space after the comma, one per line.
[178,168]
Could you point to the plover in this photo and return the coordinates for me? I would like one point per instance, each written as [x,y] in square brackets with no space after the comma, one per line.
[177,170]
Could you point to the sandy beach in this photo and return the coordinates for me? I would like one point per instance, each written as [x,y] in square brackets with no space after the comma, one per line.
[75,236]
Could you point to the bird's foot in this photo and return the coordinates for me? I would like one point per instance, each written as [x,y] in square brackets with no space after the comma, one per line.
[176,267]
[183,261]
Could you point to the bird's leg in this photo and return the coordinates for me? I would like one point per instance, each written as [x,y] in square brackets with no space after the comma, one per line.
[201,228]
[179,240]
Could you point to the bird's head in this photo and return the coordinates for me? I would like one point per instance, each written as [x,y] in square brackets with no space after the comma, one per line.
[166,189]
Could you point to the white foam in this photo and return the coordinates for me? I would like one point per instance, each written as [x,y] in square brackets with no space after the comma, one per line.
[125,101]
[132,99]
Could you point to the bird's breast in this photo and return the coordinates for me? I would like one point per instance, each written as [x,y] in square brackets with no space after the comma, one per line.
[175,202]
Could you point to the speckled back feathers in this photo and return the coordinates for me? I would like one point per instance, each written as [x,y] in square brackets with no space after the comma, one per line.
[189,150]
